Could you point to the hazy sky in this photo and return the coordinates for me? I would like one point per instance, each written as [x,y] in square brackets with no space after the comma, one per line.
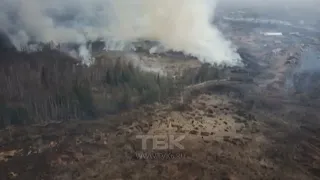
[308,10]
[269,3]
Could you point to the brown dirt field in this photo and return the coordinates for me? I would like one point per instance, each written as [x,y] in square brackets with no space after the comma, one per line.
[228,136]
[223,140]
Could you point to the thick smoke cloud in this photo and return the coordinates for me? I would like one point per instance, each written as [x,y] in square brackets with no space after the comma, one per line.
[59,21]
[179,25]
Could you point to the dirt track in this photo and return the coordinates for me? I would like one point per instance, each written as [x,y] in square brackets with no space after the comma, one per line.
[230,134]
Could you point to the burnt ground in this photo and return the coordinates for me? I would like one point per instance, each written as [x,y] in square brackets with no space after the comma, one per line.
[253,130]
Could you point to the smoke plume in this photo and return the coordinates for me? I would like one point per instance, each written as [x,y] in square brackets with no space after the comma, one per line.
[179,25]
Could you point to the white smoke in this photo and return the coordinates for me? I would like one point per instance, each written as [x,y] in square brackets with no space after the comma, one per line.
[85,54]
[179,25]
